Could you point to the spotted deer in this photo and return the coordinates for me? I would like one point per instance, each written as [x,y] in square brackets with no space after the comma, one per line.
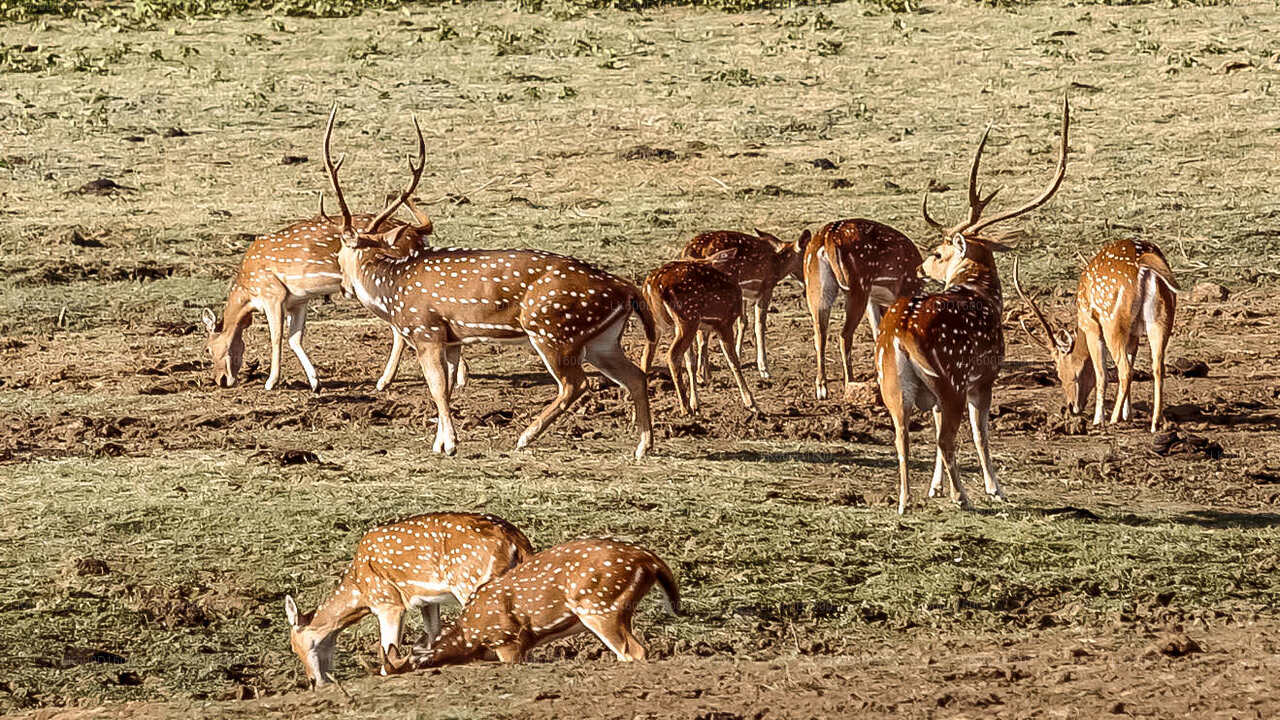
[591,584]
[872,264]
[942,351]
[760,263]
[439,299]
[694,296]
[1126,291]
[418,562]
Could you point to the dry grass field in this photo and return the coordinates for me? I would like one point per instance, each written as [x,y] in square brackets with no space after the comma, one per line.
[151,524]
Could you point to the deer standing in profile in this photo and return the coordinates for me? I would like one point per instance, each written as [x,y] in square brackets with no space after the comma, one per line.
[1126,291]
[439,299]
[760,263]
[872,264]
[418,562]
[942,351]
[591,584]
[694,296]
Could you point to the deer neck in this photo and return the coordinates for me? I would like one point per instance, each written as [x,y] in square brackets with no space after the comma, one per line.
[237,312]
[455,646]
[361,270]
[980,278]
[342,609]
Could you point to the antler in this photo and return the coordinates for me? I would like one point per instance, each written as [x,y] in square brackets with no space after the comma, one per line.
[333,174]
[924,208]
[413,184]
[1050,335]
[1040,200]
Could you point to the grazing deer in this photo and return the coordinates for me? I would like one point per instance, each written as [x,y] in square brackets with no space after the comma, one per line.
[418,562]
[281,273]
[1126,291]
[761,262]
[591,584]
[692,295]
[940,351]
[441,298]
[871,263]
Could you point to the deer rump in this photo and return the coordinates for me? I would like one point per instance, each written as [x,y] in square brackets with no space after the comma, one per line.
[1155,286]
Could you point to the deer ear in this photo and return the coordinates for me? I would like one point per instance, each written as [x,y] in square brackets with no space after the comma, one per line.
[999,246]
[210,320]
[767,236]
[1063,340]
[803,241]
[959,243]
[291,611]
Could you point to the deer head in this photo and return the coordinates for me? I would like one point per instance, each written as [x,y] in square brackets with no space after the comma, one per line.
[965,243]
[790,255]
[312,648]
[1072,363]
[225,348]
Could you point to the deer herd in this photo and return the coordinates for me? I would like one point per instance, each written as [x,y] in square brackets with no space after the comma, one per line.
[938,351]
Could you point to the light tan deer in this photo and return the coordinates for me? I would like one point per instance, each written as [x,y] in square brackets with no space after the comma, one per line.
[872,264]
[761,262]
[1126,291]
[441,298]
[418,562]
[591,584]
[694,296]
[280,274]
[942,351]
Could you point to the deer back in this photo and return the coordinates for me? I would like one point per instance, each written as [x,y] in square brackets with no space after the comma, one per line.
[864,252]
[761,260]
[693,290]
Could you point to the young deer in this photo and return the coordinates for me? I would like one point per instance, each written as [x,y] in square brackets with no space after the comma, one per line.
[418,562]
[761,262]
[591,584]
[940,351]
[441,298]
[693,295]
[871,263]
[1126,291]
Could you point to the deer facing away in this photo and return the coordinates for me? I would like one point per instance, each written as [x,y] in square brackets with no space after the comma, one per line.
[439,299]
[943,351]
[590,584]
[1126,291]
[417,562]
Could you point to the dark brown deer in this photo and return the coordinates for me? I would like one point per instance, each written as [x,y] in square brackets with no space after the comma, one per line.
[1126,291]
[872,264]
[421,562]
[942,351]
[439,299]
[695,296]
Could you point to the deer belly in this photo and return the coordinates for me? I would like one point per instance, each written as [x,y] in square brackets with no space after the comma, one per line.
[417,593]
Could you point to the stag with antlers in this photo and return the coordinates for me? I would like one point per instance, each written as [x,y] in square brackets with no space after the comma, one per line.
[1126,291]
[942,351]
[439,299]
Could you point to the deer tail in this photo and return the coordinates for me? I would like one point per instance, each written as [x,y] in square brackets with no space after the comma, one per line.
[1156,263]
[835,259]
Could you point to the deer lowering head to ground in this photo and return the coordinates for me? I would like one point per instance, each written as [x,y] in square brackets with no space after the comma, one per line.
[591,584]
[1126,291]
[439,299]
[419,562]
[942,351]
[693,296]
[281,272]
[760,262]
[872,264]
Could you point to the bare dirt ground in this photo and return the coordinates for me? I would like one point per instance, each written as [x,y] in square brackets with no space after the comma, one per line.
[151,524]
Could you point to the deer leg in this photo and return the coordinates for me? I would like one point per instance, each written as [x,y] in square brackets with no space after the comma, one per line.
[274,310]
[762,317]
[874,313]
[702,344]
[675,362]
[740,329]
[952,413]
[431,358]
[510,654]
[605,352]
[1124,374]
[297,317]
[430,623]
[980,423]
[820,293]
[1098,355]
[393,362]
[732,358]
[565,365]
[457,367]
[690,365]
[935,485]
[1158,337]
[853,309]
[608,629]
[390,623]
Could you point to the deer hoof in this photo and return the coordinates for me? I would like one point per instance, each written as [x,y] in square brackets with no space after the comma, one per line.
[821,391]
